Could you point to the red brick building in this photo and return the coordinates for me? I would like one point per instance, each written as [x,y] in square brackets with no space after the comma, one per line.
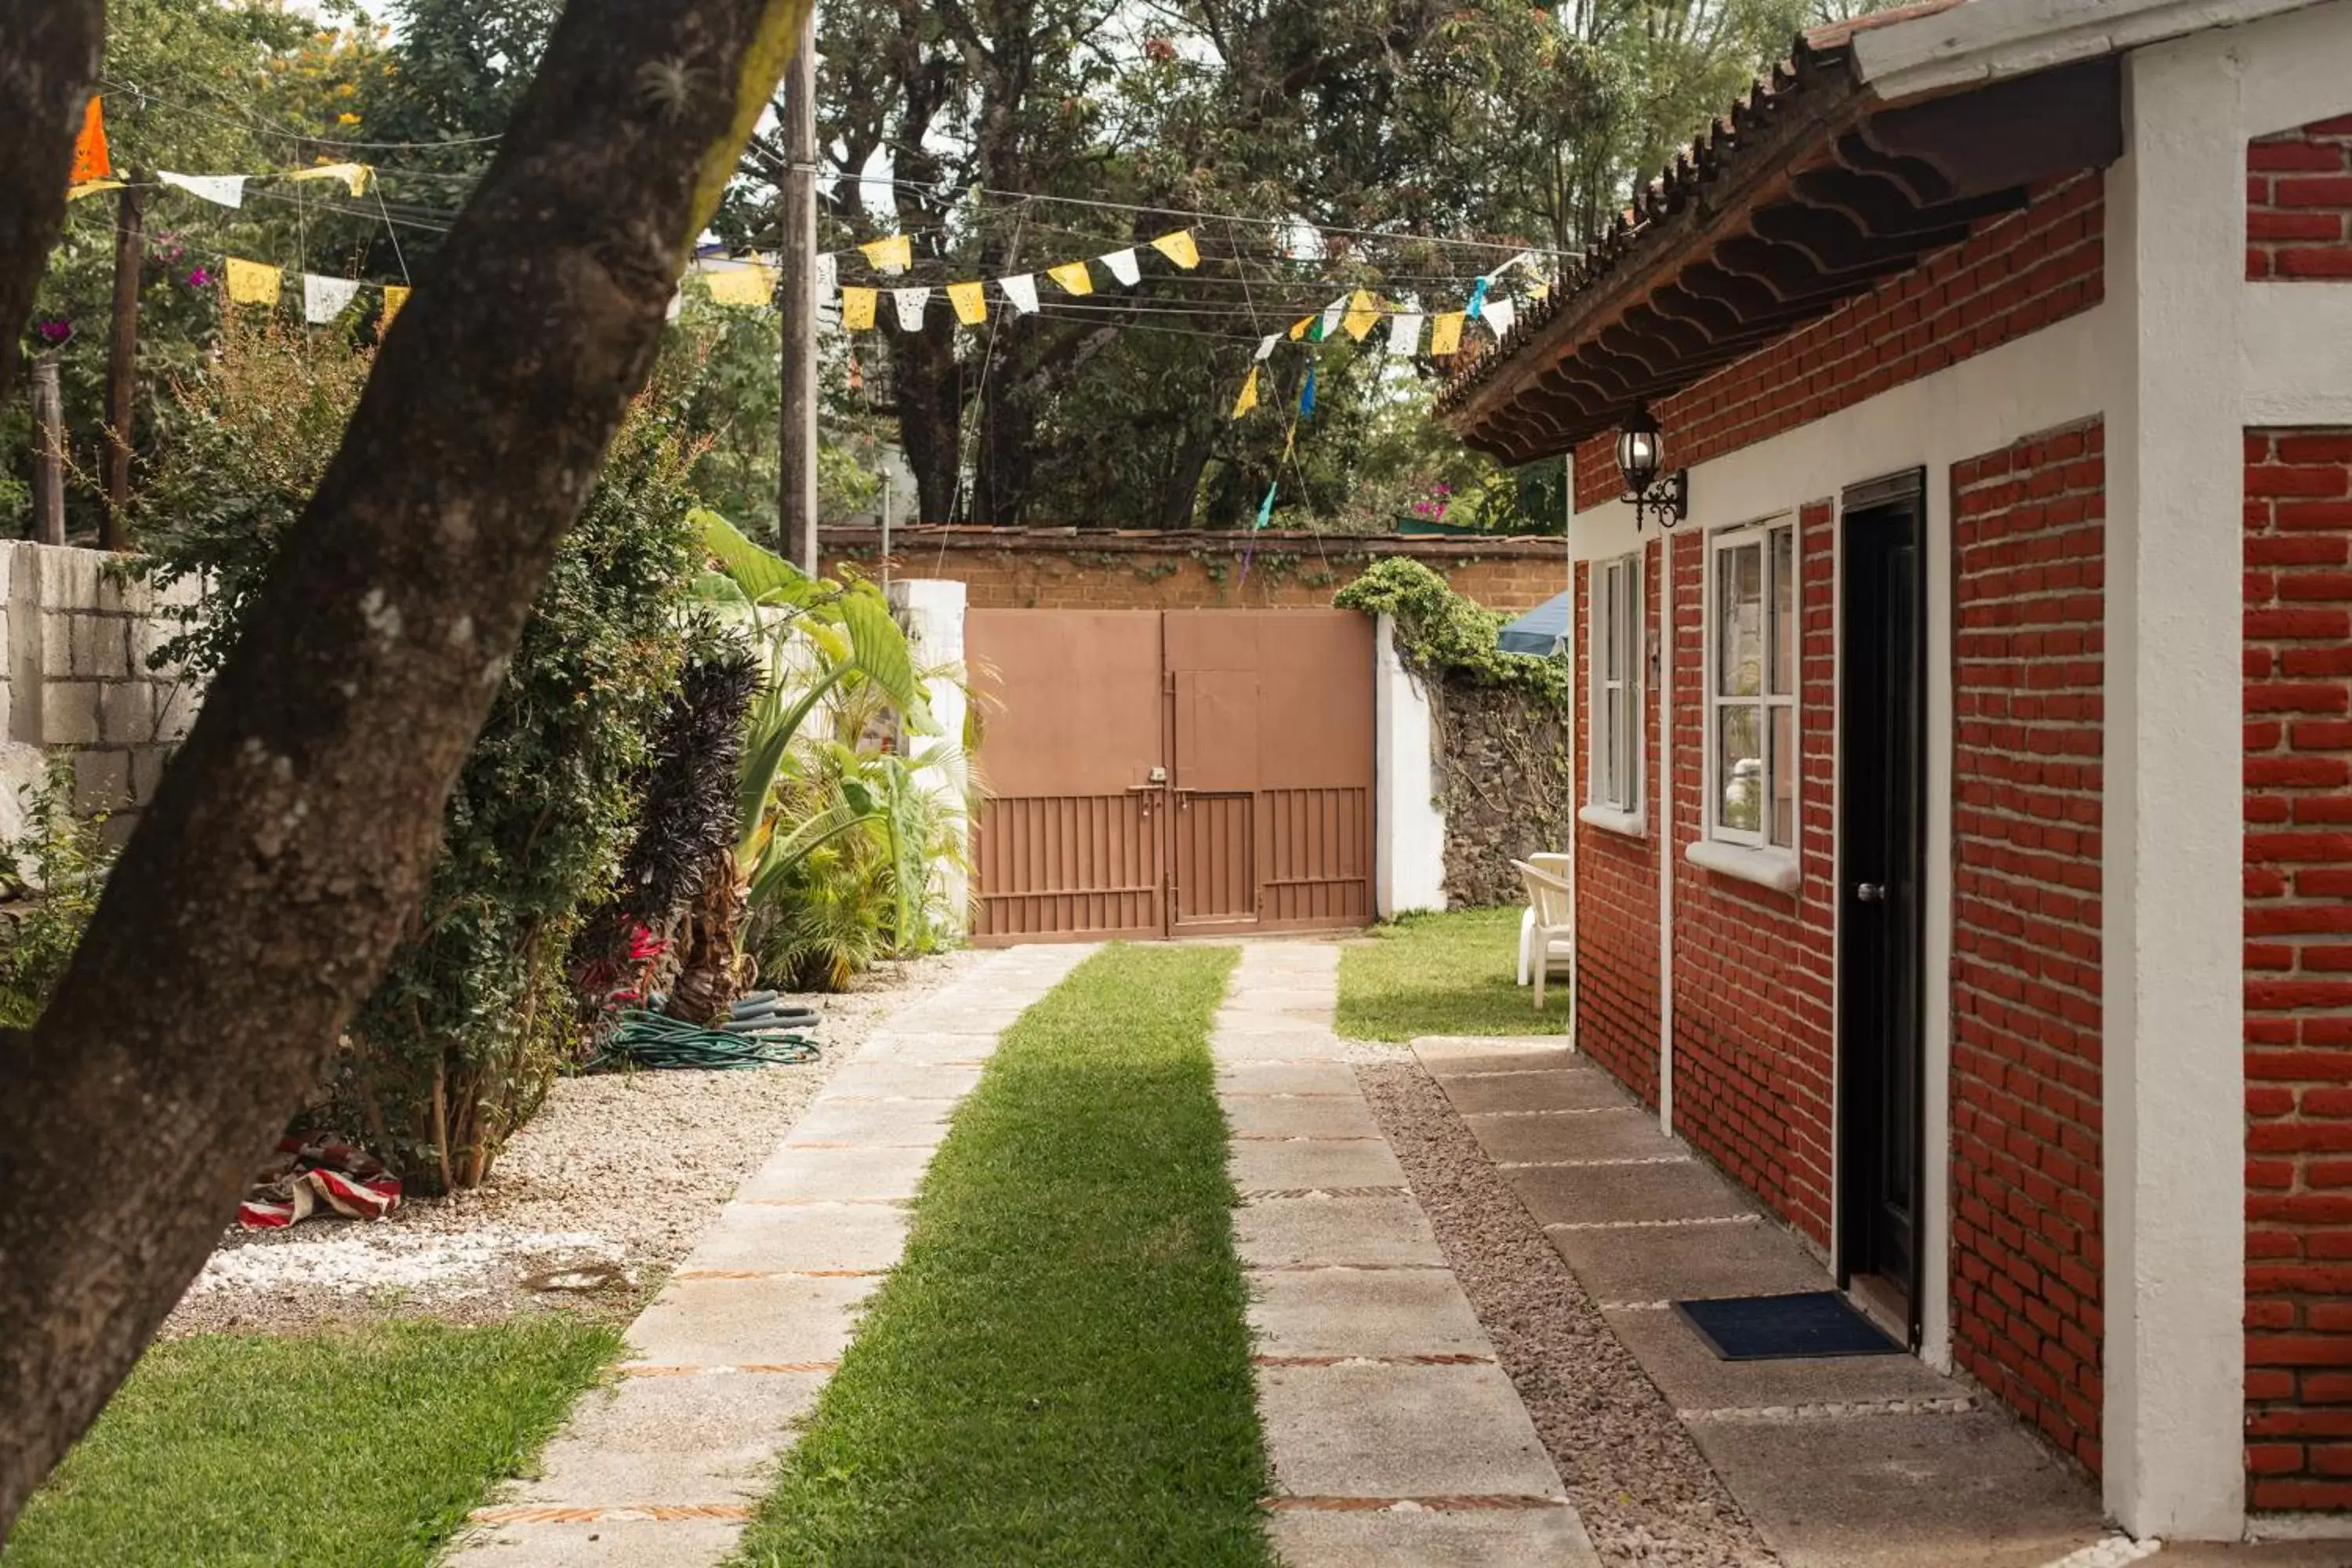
[1965,858]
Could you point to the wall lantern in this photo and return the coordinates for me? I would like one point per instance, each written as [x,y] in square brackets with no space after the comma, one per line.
[1641,452]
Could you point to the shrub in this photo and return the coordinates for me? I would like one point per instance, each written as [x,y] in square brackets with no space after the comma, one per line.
[458,1045]
[51,873]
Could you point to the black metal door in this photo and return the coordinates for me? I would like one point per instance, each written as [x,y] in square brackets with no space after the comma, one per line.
[1882,796]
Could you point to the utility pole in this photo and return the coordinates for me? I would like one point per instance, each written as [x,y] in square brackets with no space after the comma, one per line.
[48,452]
[796,470]
[121,367]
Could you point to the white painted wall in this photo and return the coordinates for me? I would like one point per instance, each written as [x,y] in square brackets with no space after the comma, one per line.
[1409,864]
[932,611]
[2184,320]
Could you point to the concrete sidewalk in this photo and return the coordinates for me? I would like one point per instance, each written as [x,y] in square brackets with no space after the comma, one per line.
[1395,1436]
[1852,1462]
[663,1469]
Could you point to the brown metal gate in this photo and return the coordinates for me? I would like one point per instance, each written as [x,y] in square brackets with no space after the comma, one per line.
[1168,773]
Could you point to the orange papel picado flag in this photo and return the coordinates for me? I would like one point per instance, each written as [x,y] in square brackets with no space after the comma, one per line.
[91,161]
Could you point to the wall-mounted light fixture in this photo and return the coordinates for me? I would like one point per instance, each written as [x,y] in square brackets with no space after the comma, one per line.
[1640,453]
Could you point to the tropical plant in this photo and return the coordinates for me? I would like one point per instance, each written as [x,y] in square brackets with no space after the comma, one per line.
[840,833]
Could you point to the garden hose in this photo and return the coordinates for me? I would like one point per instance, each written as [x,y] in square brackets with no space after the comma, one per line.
[656,1040]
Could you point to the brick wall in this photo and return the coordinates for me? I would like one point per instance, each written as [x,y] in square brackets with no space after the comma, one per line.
[1755,1041]
[2299,204]
[2298,955]
[1021,569]
[2029,596]
[2014,276]
[1617,970]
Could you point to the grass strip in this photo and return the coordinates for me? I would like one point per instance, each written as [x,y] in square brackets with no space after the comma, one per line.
[1059,1369]
[361,1446]
[1451,974]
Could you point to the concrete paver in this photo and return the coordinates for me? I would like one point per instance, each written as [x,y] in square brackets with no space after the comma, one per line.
[1312,1162]
[1373,1429]
[1842,1462]
[1393,1434]
[1428,1537]
[1383,1229]
[1364,1313]
[663,1470]
[1903,1491]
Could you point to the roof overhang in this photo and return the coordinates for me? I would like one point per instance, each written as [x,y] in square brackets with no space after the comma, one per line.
[1815,189]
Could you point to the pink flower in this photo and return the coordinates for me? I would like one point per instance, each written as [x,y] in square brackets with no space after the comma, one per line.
[201,278]
[55,333]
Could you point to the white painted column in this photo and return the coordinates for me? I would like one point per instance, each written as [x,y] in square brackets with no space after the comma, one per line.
[1409,863]
[932,611]
[2174,1070]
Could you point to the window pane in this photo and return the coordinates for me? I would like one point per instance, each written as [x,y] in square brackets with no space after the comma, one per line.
[1611,633]
[1784,611]
[1739,766]
[1612,787]
[1739,620]
[1784,776]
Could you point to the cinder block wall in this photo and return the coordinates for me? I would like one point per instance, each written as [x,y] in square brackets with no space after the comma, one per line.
[80,632]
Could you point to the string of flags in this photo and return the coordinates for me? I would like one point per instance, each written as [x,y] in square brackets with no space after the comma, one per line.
[93,170]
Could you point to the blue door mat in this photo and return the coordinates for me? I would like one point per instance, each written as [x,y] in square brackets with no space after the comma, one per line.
[1785,1328]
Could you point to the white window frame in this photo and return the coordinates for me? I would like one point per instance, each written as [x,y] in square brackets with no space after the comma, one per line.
[1743,852]
[1618,614]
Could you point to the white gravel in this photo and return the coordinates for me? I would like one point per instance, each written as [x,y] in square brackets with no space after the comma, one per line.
[596,1198]
[1646,1494]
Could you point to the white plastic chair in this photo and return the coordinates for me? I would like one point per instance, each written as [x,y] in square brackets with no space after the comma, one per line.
[1558,865]
[1551,923]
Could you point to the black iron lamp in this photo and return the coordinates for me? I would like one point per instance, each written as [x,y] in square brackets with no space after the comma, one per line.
[1640,453]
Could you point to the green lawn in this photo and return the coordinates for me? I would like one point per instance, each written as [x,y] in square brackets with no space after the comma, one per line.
[1453,973]
[356,1448]
[1058,1370]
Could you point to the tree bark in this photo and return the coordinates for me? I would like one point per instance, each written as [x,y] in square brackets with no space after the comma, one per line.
[51,54]
[292,837]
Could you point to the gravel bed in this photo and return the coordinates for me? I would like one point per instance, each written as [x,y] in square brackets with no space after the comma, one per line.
[605,1189]
[1646,1494]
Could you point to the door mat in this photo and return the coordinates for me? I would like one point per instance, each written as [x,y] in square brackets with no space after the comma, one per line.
[1785,1328]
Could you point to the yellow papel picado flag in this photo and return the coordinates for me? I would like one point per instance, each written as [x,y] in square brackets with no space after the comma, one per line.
[857,309]
[1179,248]
[1363,315]
[1445,333]
[1248,399]
[970,302]
[253,282]
[395,295]
[1072,277]
[893,253]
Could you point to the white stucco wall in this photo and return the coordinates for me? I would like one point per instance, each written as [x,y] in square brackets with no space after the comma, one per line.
[1409,862]
[2198,353]
[932,611]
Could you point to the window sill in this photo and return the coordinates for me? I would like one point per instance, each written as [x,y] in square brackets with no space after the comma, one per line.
[1773,869]
[1632,823]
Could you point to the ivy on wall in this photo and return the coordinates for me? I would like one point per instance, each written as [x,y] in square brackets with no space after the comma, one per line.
[1440,633]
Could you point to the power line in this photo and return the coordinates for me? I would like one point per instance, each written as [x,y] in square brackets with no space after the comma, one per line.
[249,121]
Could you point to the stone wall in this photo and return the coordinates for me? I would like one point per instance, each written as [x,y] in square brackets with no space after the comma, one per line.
[79,634]
[1502,776]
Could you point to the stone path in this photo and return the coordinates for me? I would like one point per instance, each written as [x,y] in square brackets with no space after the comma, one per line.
[662,1469]
[1395,1435]
[1843,1463]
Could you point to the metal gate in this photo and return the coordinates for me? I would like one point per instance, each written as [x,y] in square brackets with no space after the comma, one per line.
[1168,772]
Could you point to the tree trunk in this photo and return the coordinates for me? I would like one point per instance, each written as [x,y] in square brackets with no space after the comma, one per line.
[259,898]
[50,55]
[930,427]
